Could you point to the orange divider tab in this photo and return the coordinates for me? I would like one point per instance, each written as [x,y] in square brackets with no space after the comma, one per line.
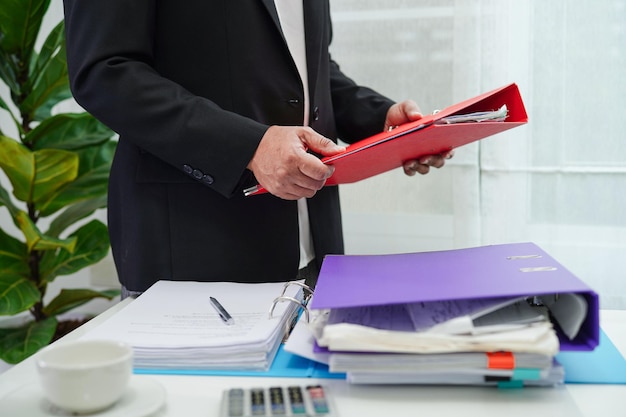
[500,360]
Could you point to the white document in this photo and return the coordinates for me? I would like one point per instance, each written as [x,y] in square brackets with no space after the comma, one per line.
[174,325]
[534,338]
[454,325]
[483,116]
[301,341]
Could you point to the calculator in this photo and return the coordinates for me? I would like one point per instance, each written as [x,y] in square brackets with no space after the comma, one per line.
[287,401]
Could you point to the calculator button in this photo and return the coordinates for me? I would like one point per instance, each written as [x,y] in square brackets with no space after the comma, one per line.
[257,402]
[236,402]
[277,401]
[297,400]
[318,399]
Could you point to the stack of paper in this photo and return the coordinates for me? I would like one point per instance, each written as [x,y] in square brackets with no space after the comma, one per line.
[492,315]
[479,342]
[173,325]
[439,327]
[490,368]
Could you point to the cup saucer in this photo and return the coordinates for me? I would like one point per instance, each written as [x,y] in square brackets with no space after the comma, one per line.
[143,397]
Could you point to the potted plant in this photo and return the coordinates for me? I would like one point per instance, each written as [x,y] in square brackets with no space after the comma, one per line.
[58,167]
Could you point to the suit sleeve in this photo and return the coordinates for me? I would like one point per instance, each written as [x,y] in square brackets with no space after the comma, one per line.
[112,75]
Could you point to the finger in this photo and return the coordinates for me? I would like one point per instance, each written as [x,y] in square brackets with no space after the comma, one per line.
[320,144]
[436,161]
[287,196]
[422,169]
[412,167]
[295,192]
[409,169]
[411,110]
[314,172]
[404,112]
[288,189]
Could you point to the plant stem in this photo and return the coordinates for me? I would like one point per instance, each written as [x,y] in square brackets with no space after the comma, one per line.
[34,262]
[37,309]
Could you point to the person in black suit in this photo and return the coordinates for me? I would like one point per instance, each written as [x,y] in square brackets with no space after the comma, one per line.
[208,98]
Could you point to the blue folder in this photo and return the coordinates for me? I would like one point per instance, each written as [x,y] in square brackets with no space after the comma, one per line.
[603,365]
[285,365]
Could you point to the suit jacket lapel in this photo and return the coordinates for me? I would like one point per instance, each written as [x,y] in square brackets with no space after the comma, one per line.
[271,8]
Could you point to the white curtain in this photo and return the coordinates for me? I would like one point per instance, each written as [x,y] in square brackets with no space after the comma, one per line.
[559,181]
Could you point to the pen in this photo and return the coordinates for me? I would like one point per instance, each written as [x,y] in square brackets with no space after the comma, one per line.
[226,318]
[257,189]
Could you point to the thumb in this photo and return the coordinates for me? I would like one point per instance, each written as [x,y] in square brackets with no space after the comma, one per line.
[321,145]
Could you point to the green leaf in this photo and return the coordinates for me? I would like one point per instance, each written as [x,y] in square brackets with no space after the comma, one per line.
[5,200]
[17,294]
[13,256]
[92,180]
[74,213]
[36,176]
[4,106]
[92,246]
[35,240]
[16,161]
[52,45]
[20,21]
[69,299]
[52,87]
[17,344]
[8,72]
[69,131]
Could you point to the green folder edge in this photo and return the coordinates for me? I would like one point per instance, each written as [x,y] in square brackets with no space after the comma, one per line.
[603,365]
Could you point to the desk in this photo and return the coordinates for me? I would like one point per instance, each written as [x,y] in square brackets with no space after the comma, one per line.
[200,396]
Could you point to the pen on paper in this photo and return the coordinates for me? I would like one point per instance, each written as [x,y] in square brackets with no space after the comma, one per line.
[226,318]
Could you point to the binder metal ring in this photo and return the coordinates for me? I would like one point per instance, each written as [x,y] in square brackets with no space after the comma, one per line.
[292,300]
[299,284]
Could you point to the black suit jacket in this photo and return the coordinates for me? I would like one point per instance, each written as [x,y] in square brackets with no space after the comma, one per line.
[191,87]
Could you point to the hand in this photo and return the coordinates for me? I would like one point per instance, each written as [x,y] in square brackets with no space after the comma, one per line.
[400,113]
[422,165]
[283,167]
[409,111]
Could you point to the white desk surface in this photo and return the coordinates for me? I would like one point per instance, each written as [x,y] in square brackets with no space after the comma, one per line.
[195,396]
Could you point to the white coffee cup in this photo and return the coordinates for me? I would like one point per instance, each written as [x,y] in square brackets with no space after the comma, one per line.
[85,376]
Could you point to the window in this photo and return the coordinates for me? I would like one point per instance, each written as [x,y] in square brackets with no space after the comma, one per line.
[559,181]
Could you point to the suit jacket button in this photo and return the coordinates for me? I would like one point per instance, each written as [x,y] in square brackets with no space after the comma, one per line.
[207,179]
[187,169]
[197,174]
[316,113]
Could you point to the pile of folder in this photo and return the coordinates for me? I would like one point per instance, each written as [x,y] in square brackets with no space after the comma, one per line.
[174,327]
[490,315]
